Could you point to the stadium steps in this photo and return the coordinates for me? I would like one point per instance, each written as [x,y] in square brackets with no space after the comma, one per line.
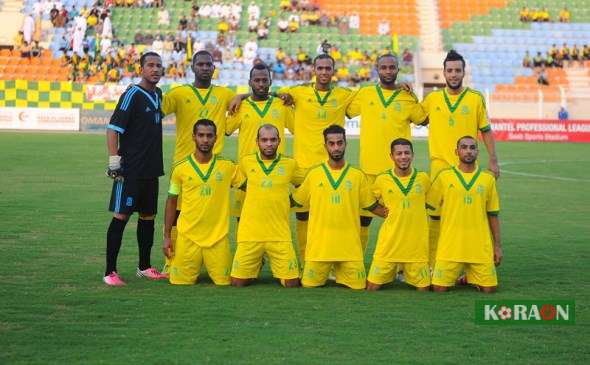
[11,19]
[579,81]
[452,11]
[430,31]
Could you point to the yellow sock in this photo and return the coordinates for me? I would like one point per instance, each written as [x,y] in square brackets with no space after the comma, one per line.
[364,238]
[434,230]
[301,230]
[168,262]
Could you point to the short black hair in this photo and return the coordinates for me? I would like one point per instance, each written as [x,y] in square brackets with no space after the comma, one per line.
[401,142]
[146,55]
[334,129]
[267,126]
[386,55]
[205,123]
[201,53]
[260,66]
[324,56]
[453,56]
[466,137]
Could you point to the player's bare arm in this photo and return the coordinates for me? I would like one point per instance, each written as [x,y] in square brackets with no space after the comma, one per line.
[490,142]
[169,218]
[494,222]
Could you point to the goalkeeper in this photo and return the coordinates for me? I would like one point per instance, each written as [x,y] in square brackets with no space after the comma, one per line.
[134,141]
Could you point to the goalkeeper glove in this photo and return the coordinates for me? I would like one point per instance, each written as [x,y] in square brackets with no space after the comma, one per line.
[114,170]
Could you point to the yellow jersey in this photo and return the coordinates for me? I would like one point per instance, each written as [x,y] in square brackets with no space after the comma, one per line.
[252,115]
[265,213]
[191,104]
[403,236]
[463,201]
[334,198]
[452,117]
[205,190]
[385,115]
[314,112]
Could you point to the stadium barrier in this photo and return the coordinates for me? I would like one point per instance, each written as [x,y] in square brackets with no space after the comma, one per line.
[536,130]
[56,119]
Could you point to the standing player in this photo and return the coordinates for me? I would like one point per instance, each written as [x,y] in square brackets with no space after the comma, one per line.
[201,100]
[335,192]
[264,227]
[403,238]
[453,112]
[466,200]
[134,141]
[317,106]
[258,109]
[204,180]
[386,114]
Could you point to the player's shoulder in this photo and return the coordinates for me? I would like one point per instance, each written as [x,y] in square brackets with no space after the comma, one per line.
[222,89]
[222,160]
[434,94]
[288,159]
[180,163]
[249,158]
[443,174]
[353,170]
[179,89]
[422,175]
[487,174]
[408,95]
[475,93]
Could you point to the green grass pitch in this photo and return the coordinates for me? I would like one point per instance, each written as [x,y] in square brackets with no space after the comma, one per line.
[55,308]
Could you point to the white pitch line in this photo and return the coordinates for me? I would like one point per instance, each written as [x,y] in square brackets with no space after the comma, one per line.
[527,162]
[542,176]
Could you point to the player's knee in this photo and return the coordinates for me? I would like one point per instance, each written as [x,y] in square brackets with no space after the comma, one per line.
[488,289]
[121,217]
[290,283]
[372,286]
[302,216]
[366,221]
[423,288]
[147,217]
[239,283]
[440,289]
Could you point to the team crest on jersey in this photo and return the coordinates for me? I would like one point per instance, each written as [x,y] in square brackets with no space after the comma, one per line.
[397,106]
[218,176]
[464,110]
[275,114]
[479,189]
[348,185]
[281,171]
[334,103]
[418,188]
[213,99]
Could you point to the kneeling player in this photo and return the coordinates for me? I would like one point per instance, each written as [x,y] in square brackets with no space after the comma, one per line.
[335,192]
[264,225]
[403,238]
[205,181]
[466,200]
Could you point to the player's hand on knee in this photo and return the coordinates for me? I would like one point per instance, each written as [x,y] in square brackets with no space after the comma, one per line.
[114,170]
[167,248]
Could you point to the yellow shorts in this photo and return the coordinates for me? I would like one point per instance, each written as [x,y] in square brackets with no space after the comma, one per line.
[415,273]
[436,166]
[364,212]
[237,202]
[446,273]
[349,273]
[189,258]
[248,258]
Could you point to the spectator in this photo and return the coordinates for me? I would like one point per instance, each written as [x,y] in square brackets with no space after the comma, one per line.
[407,58]
[223,26]
[53,15]
[354,21]
[285,5]
[25,50]
[217,55]
[283,24]
[575,53]
[28,28]
[324,47]
[293,23]
[36,49]
[262,32]
[525,15]
[336,54]
[586,53]
[544,15]
[278,71]
[383,28]
[564,15]
[538,60]
[234,23]
[205,11]
[225,11]
[250,51]
[549,61]
[527,61]
[107,28]
[158,45]
[163,16]
[564,53]
[542,78]
[253,11]
[562,115]
[183,23]
[252,24]
[215,10]
[554,51]
[343,25]
[342,73]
